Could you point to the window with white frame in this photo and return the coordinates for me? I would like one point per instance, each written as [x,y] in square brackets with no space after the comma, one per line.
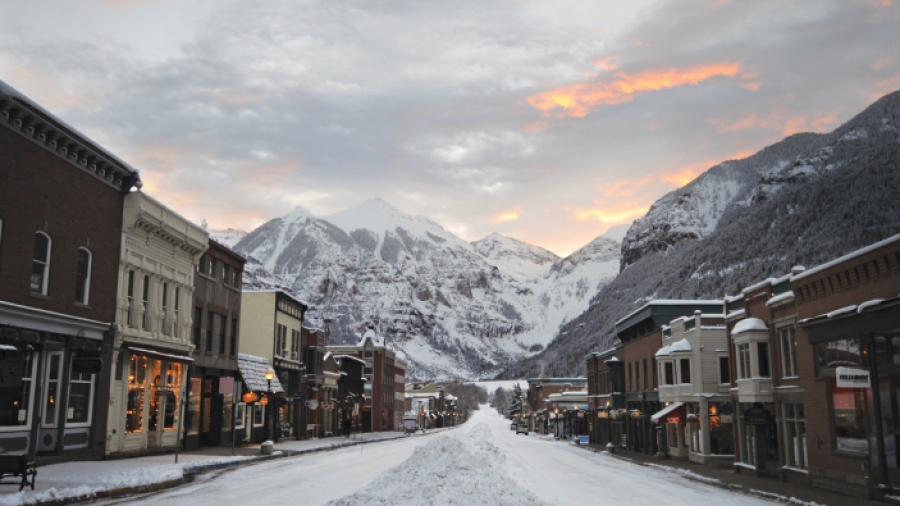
[163,320]
[83,276]
[240,410]
[16,390]
[724,371]
[175,321]
[762,356]
[794,420]
[684,367]
[258,418]
[788,352]
[130,298]
[743,356]
[51,389]
[81,397]
[669,374]
[40,263]
[146,303]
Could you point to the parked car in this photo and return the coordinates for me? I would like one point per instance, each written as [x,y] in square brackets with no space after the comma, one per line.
[522,429]
[512,426]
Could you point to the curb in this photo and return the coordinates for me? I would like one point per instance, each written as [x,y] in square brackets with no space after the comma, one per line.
[714,482]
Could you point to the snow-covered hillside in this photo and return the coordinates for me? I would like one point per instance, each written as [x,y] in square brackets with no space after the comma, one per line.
[513,256]
[456,309]
[228,236]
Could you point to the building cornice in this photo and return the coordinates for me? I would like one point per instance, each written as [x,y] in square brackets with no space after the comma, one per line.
[24,117]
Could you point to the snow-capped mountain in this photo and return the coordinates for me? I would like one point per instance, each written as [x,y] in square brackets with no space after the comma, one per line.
[456,309]
[228,236]
[513,256]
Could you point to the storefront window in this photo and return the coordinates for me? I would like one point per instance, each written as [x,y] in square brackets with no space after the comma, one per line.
[173,394]
[840,352]
[849,418]
[795,435]
[81,390]
[193,408]
[16,378]
[720,438]
[156,384]
[258,415]
[227,410]
[51,396]
[239,415]
[137,377]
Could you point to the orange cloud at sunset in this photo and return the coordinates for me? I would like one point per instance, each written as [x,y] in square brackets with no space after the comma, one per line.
[609,217]
[787,125]
[576,100]
[505,216]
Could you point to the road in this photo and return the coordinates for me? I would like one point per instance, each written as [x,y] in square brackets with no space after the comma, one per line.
[482,462]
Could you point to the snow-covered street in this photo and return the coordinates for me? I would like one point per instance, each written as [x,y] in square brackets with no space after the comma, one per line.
[483,462]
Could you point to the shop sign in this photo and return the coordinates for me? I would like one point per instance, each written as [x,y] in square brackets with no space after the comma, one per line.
[848,377]
[757,416]
[86,365]
[298,396]
[312,404]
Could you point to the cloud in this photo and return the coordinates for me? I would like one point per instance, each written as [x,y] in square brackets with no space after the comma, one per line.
[611,217]
[506,216]
[578,99]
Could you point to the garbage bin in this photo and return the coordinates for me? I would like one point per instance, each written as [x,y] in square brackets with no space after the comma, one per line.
[267,447]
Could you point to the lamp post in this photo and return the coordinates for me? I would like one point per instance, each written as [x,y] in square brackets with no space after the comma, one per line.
[556,417]
[270,375]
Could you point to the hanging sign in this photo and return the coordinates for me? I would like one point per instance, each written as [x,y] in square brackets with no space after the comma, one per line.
[849,377]
[86,365]
[312,404]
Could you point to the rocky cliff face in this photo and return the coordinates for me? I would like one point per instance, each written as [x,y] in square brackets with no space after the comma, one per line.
[456,309]
[805,200]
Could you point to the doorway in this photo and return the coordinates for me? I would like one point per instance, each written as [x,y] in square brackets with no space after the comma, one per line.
[210,411]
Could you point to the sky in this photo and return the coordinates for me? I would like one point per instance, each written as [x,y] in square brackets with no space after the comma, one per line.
[546,121]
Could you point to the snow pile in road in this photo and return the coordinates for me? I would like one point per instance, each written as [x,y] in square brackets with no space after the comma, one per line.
[447,471]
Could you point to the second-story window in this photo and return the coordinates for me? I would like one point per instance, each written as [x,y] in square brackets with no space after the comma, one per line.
[146,302]
[685,367]
[130,298]
[762,350]
[743,356]
[234,324]
[788,352]
[40,264]
[165,309]
[222,335]
[83,277]
[176,321]
[669,373]
[210,319]
[724,371]
[198,319]
[295,344]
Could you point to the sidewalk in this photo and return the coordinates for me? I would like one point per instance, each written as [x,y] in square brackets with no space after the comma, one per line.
[85,480]
[767,488]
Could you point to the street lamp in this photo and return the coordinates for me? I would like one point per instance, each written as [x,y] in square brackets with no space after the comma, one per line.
[556,417]
[270,375]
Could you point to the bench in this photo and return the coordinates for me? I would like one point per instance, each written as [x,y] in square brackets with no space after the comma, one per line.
[18,465]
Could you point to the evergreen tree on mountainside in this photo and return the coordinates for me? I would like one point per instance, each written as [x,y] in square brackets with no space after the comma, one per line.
[848,202]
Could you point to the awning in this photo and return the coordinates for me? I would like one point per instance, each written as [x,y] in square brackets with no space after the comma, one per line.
[253,370]
[160,355]
[674,411]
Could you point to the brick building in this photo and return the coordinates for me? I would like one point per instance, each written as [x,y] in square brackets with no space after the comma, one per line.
[606,396]
[217,314]
[384,373]
[61,204]
[538,393]
[848,349]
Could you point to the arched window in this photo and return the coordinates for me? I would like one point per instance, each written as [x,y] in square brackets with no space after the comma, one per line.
[83,277]
[40,264]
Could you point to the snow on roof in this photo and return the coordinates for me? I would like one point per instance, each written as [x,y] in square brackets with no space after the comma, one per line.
[612,359]
[370,334]
[683,345]
[667,302]
[869,303]
[278,290]
[735,314]
[665,351]
[849,256]
[733,298]
[781,297]
[848,309]
[750,324]
[761,284]
[665,411]
[843,310]
[350,357]
[253,371]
